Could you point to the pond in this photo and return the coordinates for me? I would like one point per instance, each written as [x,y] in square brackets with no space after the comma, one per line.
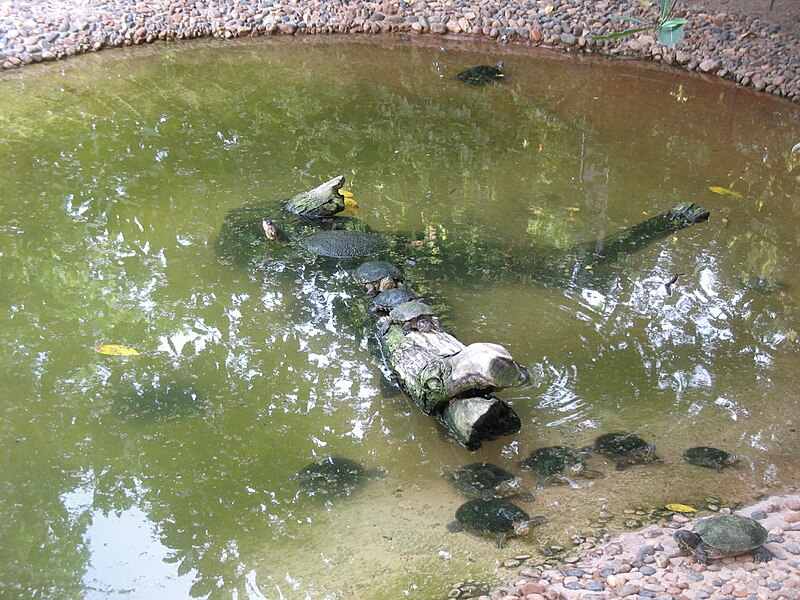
[169,474]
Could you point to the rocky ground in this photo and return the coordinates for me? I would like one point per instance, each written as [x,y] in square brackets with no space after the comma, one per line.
[755,43]
[648,564]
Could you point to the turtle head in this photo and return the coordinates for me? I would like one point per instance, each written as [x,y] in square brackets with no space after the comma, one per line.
[687,540]
[648,454]
[521,528]
[272,231]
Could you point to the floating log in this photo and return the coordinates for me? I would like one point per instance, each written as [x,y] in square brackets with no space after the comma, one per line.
[323,201]
[445,378]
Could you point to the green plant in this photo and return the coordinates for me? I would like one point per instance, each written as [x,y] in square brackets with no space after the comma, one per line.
[669,29]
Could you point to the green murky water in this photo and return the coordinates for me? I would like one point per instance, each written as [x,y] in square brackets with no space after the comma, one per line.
[168,474]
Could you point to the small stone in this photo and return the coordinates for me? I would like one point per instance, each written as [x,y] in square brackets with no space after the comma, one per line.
[793,517]
[595,586]
[709,66]
[758,515]
[646,570]
[792,548]
[629,589]
[792,504]
[510,564]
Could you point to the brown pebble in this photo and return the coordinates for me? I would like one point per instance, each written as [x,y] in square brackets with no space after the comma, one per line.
[792,517]
[793,504]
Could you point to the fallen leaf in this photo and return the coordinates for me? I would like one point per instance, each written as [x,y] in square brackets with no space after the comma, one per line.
[115,350]
[346,193]
[680,508]
[548,9]
[350,206]
[645,3]
[572,208]
[724,191]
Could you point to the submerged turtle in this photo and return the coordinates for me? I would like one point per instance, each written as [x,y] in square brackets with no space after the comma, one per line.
[558,464]
[414,315]
[724,535]
[386,301]
[713,458]
[494,516]
[628,448]
[333,476]
[485,480]
[378,276]
[343,243]
[482,74]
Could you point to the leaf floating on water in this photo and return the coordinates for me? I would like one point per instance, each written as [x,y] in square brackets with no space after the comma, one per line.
[680,508]
[115,350]
[724,191]
[350,205]
[572,208]
[346,193]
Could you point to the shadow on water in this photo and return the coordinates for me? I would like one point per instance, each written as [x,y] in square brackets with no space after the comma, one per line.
[180,464]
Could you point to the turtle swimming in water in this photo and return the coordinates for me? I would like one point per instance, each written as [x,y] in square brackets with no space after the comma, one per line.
[494,516]
[343,243]
[333,476]
[713,458]
[485,480]
[482,74]
[558,464]
[414,315]
[628,448]
[378,276]
[719,536]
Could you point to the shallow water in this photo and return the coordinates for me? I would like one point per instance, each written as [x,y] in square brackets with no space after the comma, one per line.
[169,474]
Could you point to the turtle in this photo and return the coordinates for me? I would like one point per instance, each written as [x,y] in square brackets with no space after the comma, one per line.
[713,458]
[273,232]
[343,243]
[494,516]
[482,74]
[333,476]
[410,315]
[485,480]
[386,301]
[628,448]
[719,536]
[558,464]
[378,276]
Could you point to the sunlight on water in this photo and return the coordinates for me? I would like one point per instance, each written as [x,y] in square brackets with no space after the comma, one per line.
[174,473]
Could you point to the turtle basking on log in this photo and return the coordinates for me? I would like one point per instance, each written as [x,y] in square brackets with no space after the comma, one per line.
[410,316]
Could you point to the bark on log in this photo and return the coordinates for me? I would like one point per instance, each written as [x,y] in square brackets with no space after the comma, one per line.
[323,201]
[477,420]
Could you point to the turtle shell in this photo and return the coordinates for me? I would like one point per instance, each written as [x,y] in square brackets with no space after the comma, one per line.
[394,297]
[553,460]
[343,243]
[375,270]
[482,74]
[409,310]
[332,476]
[484,480]
[706,456]
[490,516]
[730,535]
[618,444]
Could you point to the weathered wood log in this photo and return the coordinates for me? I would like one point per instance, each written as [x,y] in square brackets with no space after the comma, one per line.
[323,201]
[477,420]
[434,367]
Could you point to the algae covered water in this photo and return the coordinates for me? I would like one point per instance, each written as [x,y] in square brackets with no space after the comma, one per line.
[171,473]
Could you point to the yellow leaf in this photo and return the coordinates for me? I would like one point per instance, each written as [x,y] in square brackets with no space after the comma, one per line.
[680,508]
[350,206]
[346,193]
[115,350]
[645,3]
[724,191]
[572,208]
[548,9]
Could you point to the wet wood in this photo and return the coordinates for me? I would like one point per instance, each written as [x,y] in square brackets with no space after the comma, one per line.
[323,201]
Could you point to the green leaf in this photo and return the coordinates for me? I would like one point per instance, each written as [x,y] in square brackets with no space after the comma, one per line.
[627,32]
[670,35]
[666,9]
[626,18]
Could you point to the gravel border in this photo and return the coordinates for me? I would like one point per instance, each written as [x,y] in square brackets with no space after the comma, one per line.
[648,564]
[736,47]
